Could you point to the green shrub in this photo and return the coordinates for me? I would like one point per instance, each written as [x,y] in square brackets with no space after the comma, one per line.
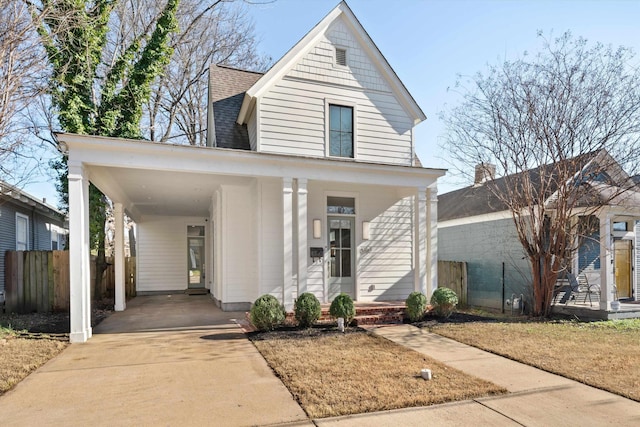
[342,306]
[267,313]
[416,304]
[444,301]
[307,309]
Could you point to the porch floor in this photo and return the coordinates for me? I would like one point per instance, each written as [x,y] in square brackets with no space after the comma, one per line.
[583,310]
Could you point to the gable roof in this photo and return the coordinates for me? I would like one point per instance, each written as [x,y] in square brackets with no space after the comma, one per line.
[481,199]
[16,195]
[226,91]
[295,54]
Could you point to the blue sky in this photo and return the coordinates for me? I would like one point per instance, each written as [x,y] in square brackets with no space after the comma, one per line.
[430,42]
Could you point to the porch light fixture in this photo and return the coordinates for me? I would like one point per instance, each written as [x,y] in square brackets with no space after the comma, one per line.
[317,229]
[365,230]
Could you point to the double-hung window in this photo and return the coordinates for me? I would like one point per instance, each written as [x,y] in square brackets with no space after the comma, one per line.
[22,232]
[340,131]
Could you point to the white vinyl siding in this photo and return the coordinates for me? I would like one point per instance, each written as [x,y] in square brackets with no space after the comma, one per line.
[162,253]
[386,259]
[293,114]
[384,263]
[319,63]
[271,234]
[293,122]
[239,244]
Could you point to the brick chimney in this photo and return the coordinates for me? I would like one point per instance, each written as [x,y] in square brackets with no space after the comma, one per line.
[484,173]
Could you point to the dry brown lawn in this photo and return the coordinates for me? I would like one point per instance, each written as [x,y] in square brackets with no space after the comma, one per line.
[358,372]
[21,356]
[602,354]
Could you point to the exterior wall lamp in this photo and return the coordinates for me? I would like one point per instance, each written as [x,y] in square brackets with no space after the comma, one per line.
[365,230]
[317,229]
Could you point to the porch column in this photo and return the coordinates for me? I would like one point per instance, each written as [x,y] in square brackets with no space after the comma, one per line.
[287,229]
[421,250]
[79,255]
[302,235]
[432,242]
[120,299]
[606,262]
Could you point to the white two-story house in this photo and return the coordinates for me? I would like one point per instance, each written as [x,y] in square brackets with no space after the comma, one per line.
[309,183]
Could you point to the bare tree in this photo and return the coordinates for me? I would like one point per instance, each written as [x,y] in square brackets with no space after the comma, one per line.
[22,68]
[219,33]
[553,125]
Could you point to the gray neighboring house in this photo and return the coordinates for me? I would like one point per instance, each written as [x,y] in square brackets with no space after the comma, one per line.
[27,223]
[476,227]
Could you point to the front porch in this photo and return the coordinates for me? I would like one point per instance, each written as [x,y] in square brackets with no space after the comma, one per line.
[242,224]
[579,308]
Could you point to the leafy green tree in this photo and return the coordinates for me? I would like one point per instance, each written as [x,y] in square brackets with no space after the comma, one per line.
[97,97]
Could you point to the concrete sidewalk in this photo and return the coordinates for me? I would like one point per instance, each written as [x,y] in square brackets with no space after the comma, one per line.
[167,360]
[536,397]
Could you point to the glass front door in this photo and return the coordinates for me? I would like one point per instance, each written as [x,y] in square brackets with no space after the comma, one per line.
[195,256]
[341,256]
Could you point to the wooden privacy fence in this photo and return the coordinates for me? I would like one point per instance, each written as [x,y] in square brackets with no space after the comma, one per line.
[38,281]
[453,275]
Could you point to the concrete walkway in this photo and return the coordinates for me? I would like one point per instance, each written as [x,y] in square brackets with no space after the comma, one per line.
[536,397]
[167,360]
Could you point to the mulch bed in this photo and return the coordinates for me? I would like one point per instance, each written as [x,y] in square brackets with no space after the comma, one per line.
[293,332]
[456,317]
[36,325]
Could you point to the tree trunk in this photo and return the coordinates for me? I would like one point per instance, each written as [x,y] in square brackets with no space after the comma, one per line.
[132,242]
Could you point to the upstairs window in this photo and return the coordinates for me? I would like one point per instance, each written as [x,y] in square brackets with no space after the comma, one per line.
[340,131]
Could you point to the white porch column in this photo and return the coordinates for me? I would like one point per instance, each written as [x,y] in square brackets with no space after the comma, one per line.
[421,251]
[302,235]
[120,299]
[432,239]
[287,230]
[79,256]
[606,262]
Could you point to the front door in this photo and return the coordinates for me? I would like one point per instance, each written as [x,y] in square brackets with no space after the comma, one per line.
[622,257]
[341,256]
[195,256]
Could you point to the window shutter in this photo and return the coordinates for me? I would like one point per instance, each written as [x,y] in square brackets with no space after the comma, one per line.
[341,56]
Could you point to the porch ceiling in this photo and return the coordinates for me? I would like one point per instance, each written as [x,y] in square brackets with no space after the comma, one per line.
[160,192]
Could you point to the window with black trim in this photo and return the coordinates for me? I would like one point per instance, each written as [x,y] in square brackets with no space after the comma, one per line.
[340,131]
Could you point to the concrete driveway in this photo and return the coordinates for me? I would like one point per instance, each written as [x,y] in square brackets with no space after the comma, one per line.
[166,360]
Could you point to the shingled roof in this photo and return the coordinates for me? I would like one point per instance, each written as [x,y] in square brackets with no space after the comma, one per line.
[227,87]
[479,199]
